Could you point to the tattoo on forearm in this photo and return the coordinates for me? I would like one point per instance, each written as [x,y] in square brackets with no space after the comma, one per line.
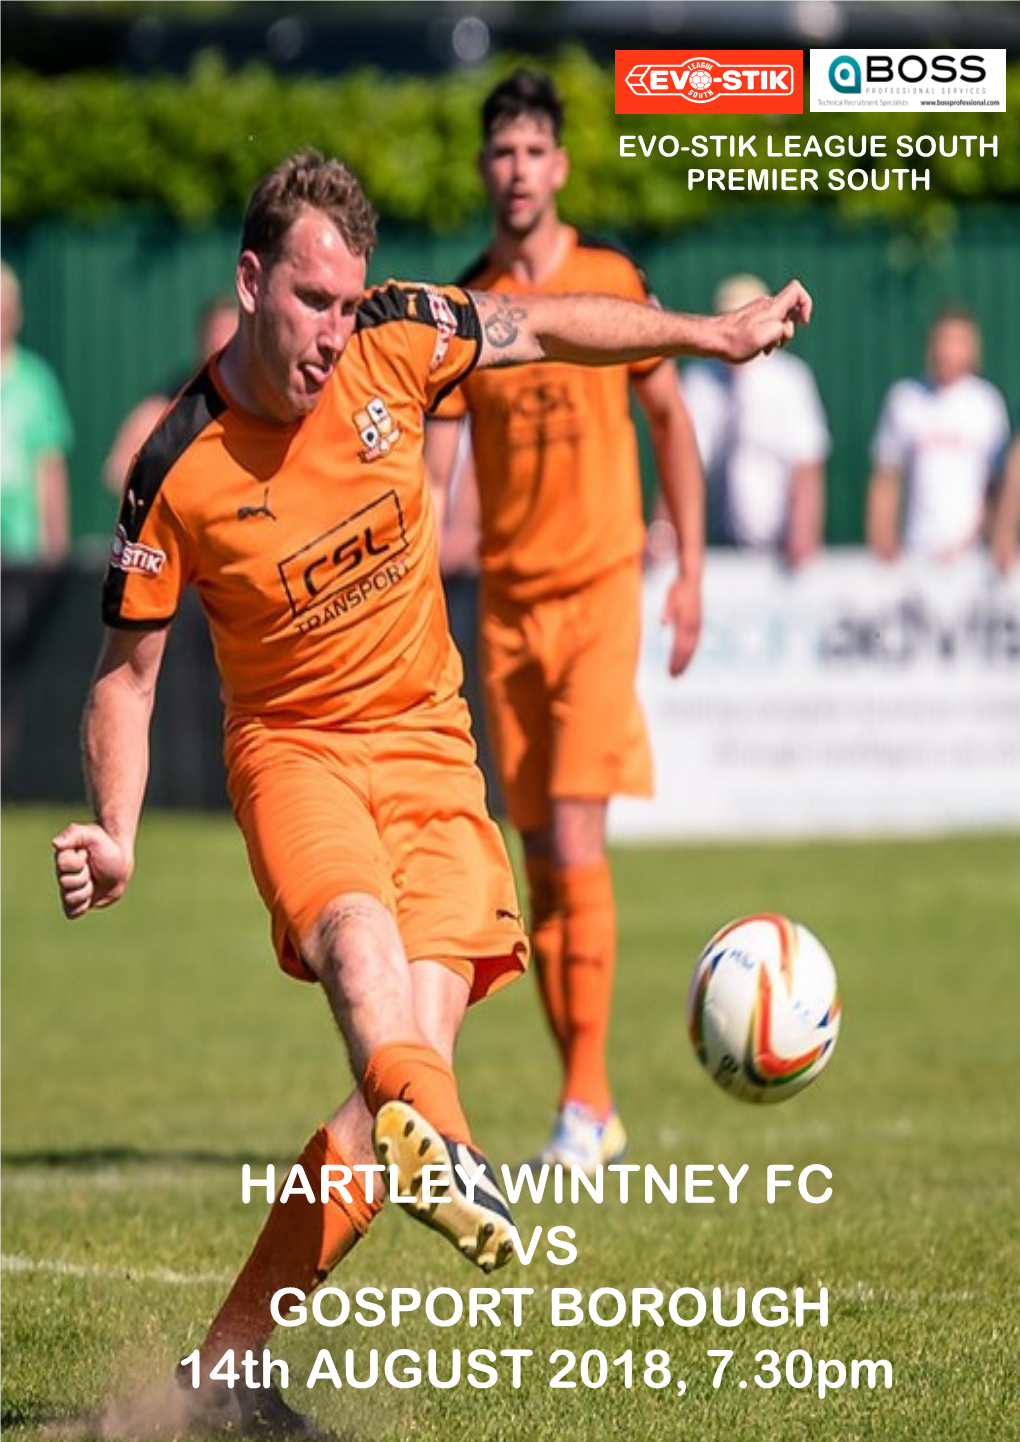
[500,319]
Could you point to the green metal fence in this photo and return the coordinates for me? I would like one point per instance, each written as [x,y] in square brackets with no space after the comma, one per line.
[115,310]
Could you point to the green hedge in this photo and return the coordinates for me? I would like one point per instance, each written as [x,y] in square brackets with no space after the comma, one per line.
[86,147]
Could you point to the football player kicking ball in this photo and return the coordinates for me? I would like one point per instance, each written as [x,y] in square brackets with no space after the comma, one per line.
[286,483]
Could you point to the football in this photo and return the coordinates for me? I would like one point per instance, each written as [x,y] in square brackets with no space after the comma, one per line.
[763,1008]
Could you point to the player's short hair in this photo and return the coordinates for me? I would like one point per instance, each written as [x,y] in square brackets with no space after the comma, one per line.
[525,93]
[305,181]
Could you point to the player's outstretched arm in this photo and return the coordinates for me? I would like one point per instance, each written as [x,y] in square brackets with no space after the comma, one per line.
[94,860]
[607,330]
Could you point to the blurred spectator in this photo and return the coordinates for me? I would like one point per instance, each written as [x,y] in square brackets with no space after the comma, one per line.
[937,450]
[1005,532]
[35,438]
[764,442]
[217,322]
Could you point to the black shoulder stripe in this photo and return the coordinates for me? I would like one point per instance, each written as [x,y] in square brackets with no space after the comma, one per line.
[198,404]
[385,303]
[417,303]
[597,242]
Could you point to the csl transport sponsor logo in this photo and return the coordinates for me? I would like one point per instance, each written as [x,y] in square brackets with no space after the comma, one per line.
[359,556]
[128,555]
[725,82]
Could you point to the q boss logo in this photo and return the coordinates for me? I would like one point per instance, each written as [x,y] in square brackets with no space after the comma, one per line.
[727,82]
[849,73]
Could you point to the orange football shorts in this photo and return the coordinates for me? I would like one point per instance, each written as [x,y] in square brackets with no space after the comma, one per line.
[559,680]
[397,811]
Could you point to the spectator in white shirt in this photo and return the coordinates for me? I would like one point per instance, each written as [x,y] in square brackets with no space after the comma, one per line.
[937,450]
[764,442]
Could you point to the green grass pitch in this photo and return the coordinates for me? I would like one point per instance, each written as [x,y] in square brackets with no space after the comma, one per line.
[150,1051]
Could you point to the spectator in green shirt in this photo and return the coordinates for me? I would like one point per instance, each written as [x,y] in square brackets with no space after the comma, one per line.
[35,436]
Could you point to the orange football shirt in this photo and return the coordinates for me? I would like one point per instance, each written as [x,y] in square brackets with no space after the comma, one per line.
[312,546]
[555,449]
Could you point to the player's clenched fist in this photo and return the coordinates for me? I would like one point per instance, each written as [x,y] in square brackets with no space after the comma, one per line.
[92,869]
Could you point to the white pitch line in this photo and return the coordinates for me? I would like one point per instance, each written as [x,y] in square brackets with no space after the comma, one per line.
[98,1271]
[49,1179]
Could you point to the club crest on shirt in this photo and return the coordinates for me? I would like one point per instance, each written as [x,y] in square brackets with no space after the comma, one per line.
[378,431]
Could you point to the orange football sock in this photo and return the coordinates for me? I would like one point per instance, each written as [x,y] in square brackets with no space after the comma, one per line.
[547,945]
[414,1072]
[589,963]
[299,1245]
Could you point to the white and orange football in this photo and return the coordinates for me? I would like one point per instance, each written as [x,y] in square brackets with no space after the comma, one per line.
[763,1008]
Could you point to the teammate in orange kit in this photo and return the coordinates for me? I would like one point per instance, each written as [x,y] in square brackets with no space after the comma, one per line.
[286,483]
[562,534]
